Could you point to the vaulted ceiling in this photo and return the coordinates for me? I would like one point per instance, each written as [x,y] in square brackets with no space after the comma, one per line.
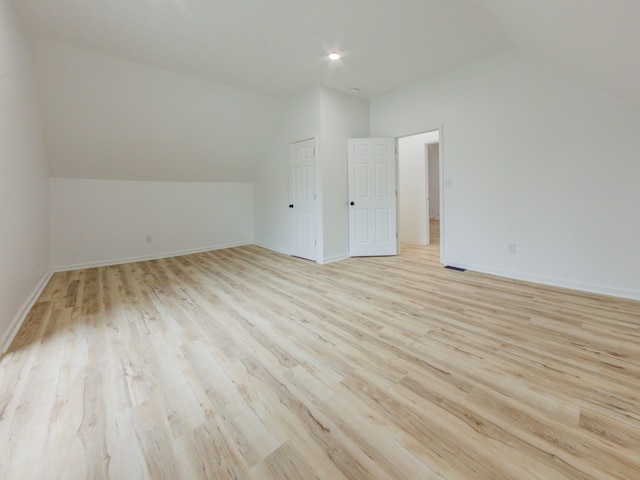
[279,47]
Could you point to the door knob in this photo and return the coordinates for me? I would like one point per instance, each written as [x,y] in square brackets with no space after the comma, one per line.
[291,205]
[352,204]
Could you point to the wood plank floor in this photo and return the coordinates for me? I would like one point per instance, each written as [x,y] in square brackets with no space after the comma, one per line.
[247,364]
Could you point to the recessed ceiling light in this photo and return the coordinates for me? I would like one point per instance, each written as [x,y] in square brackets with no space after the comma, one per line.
[334,56]
[354,91]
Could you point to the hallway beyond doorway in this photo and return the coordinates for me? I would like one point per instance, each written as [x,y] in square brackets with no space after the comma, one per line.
[432,251]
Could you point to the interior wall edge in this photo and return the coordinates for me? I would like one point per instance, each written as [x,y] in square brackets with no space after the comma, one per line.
[273,248]
[20,316]
[334,258]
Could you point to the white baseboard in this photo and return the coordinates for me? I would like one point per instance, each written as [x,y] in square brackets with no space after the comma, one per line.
[21,315]
[143,258]
[324,261]
[335,258]
[551,281]
[272,248]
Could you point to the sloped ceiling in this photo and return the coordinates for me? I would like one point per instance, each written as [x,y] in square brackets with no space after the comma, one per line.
[598,40]
[279,47]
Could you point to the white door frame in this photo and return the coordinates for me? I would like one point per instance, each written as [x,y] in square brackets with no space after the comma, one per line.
[413,191]
[442,180]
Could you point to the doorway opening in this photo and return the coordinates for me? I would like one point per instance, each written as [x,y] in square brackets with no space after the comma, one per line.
[419,190]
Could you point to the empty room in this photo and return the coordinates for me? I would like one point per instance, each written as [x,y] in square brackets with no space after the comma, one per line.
[297,239]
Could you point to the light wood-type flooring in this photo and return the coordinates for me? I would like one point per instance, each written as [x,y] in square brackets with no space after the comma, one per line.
[248,364]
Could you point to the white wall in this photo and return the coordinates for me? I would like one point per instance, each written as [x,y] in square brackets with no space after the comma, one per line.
[330,117]
[107,118]
[138,150]
[98,222]
[24,241]
[569,206]
[342,117]
[300,120]
[433,163]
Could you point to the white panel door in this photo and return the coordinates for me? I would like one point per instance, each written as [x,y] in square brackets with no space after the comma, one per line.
[372,197]
[302,156]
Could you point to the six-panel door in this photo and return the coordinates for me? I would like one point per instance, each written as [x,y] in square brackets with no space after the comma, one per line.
[372,197]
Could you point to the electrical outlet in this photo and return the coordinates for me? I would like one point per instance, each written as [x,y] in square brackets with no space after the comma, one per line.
[148,238]
[511,248]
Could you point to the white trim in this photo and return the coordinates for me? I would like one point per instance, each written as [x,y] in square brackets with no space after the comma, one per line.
[441,218]
[143,258]
[551,281]
[273,248]
[440,142]
[22,313]
[319,205]
[334,258]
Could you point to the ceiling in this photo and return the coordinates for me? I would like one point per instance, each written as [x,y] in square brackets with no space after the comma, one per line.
[279,47]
